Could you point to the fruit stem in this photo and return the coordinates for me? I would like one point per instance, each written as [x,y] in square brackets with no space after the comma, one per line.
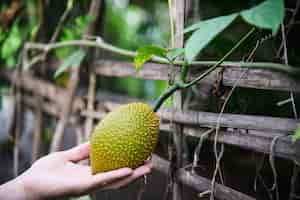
[165,96]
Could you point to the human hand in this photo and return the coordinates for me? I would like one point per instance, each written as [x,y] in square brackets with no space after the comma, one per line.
[59,174]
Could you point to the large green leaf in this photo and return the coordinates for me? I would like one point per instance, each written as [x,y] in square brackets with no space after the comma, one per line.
[296,134]
[74,60]
[205,32]
[268,14]
[145,53]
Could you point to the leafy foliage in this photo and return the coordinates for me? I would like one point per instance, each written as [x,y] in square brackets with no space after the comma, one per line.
[74,60]
[73,31]
[146,53]
[135,26]
[269,14]
[205,32]
[15,30]
[11,45]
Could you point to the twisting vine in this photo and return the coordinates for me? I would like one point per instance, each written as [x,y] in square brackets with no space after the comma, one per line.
[179,85]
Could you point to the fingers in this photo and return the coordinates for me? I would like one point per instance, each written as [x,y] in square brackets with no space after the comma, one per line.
[77,153]
[103,178]
[141,171]
[90,183]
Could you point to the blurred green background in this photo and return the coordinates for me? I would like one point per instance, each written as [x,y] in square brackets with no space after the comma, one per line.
[124,24]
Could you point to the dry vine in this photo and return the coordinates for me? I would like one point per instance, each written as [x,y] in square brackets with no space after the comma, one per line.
[285,55]
[218,156]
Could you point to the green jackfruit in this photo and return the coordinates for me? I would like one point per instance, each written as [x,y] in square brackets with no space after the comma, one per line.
[126,137]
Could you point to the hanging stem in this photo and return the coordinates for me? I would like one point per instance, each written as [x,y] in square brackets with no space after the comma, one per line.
[171,22]
[181,85]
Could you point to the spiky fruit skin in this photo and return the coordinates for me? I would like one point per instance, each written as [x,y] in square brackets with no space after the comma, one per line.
[126,137]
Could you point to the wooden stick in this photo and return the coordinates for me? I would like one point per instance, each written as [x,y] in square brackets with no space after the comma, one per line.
[57,95]
[208,119]
[177,17]
[66,110]
[239,121]
[199,183]
[261,79]
[255,78]
[38,129]
[90,105]
[260,129]
[258,141]
[41,87]
[17,128]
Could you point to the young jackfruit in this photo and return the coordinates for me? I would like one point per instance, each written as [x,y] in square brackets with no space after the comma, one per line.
[126,137]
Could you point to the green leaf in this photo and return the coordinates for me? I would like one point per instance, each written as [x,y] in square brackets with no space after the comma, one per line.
[12,43]
[11,61]
[214,20]
[296,134]
[74,60]
[72,31]
[268,15]
[82,22]
[174,53]
[205,32]
[2,33]
[145,53]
